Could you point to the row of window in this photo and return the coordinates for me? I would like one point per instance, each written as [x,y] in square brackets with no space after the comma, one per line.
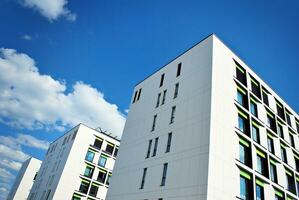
[261,93]
[163,94]
[111,149]
[66,139]
[156,146]
[172,117]
[163,179]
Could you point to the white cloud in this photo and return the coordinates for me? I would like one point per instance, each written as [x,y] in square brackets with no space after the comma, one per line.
[5,174]
[31,100]
[10,164]
[12,154]
[23,139]
[26,37]
[51,9]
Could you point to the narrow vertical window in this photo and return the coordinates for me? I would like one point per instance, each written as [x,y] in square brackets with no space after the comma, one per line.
[244,152]
[243,123]
[168,142]
[178,72]
[164,97]
[255,132]
[296,158]
[292,142]
[172,114]
[155,147]
[143,178]
[139,93]
[290,181]
[262,167]
[255,87]
[283,153]
[246,190]
[253,107]
[280,110]
[176,90]
[165,166]
[280,130]
[265,97]
[241,73]
[271,121]
[149,148]
[273,171]
[154,123]
[242,97]
[162,80]
[270,143]
[279,195]
[158,100]
[135,95]
[288,119]
[259,188]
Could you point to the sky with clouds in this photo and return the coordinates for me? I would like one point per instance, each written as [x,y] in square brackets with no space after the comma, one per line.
[64,62]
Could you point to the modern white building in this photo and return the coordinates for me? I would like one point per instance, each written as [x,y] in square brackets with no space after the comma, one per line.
[25,179]
[206,127]
[78,165]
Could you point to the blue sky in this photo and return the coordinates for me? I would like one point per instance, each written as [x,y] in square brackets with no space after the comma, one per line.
[61,64]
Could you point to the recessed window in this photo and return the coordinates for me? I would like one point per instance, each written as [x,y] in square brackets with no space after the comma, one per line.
[297,125]
[176,90]
[143,178]
[164,97]
[273,171]
[283,153]
[84,186]
[154,123]
[149,148]
[164,174]
[98,143]
[253,107]
[155,146]
[255,132]
[291,136]
[75,197]
[108,178]
[178,72]
[244,152]
[259,188]
[109,148]
[289,119]
[296,158]
[102,161]
[89,156]
[297,185]
[271,121]
[162,80]
[102,176]
[280,110]
[93,190]
[265,97]
[243,123]
[246,190]
[242,97]
[172,114]
[270,142]
[279,195]
[280,130]
[115,151]
[241,73]
[255,87]
[262,167]
[168,142]
[88,171]
[158,100]
[290,181]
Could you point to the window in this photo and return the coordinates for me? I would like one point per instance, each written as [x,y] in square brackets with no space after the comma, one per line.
[48,194]
[93,190]
[246,190]
[243,123]
[139,93]
[176,90]
[102,161]
[165,166]
[74,134]
[262,167]
[241,73]
[244,152]
[84,186]
[115,152]
[102,176]
[108,179]
[255,132]
[278,195]
[154,123]
[162,80]
[172,114]
[98,143]
[242,97]
[273,171]
[253,107]
[271,121]
[89,156]
[76,197]
[149,148]
[292,142]
[88,171]
[158,100]
[168,142]
[164,97]
[255,87]
[297,185]
[280,130]
[280,111]
[155,147]
[265,97]
[109,148]
[135,95]
[296,158]
[178,72]
[270,142]
[297,125]
[288,119]
[283,153]
[290,181]
[143,178]
[259,187]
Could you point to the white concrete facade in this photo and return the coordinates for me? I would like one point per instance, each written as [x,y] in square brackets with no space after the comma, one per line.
[69,172]
[25,179]
[204,157]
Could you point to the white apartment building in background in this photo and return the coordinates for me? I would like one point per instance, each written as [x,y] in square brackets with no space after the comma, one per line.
[206,127]
[78,165]
[25,179]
